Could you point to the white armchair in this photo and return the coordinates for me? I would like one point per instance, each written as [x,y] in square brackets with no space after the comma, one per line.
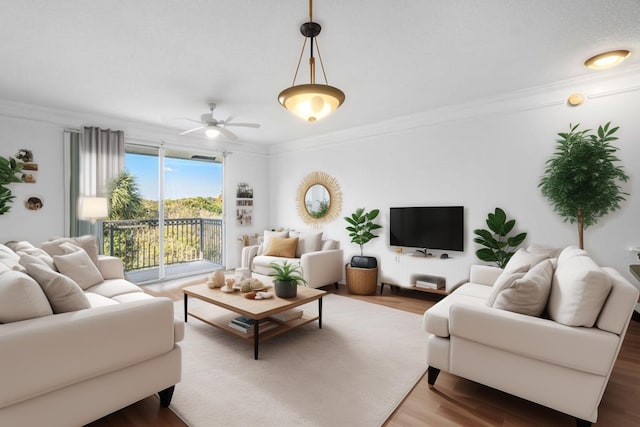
[320,259]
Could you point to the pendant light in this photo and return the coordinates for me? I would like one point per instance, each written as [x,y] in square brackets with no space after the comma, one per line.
[311,101]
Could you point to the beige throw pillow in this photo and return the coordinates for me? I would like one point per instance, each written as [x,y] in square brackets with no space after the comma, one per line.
[63,294]
[88,243]
[79,267]
[30,259]
[21,298]
[282,247]
[504,281]
[528,294]
[266,240]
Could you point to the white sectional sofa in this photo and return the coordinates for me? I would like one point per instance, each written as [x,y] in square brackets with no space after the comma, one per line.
[73,350]
[560,354]
[321,260]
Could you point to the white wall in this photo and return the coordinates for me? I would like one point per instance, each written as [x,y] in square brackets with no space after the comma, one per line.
[481,156]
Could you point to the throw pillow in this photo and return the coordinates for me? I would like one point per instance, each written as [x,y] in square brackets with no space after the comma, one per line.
[578,291]
[528,294]
[268,235]
[307,241]
[524,257]
[504,281]
[21,298]
[570,252]
[282,247]
[40,254]
[79,267]
[88,243]
[63,294]
[30,259]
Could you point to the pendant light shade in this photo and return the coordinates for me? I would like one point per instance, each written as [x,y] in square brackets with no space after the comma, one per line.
[311,102]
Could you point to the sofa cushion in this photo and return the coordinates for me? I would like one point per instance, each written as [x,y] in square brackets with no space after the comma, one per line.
[261,263]
[282,247]
[308,241]
[528,294]
[63,293]
[96,300]
[524,257]
[267,238]
[578,291]
[79,267]
[113,287]
[88,243]
[21,298]
[436,319]
[10,259]
[570,252]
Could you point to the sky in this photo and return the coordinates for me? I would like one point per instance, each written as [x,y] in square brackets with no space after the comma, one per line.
[183,177]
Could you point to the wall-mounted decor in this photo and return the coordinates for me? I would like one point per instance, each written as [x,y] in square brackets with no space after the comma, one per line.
[244,204]
[319,198]
[28,166]
[34,203]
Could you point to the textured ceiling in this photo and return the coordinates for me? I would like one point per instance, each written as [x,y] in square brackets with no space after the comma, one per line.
[156,61]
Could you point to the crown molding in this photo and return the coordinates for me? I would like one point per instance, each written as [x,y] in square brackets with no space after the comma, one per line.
[593,85]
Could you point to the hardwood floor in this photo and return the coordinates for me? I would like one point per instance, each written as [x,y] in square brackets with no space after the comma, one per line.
[454,401]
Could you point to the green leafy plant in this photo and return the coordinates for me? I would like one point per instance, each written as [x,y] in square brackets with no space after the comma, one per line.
[9,169]
[361,226]
[582,179]
[287,272]
[499,247]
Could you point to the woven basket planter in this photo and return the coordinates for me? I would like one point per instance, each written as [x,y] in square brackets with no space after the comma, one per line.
[361,281]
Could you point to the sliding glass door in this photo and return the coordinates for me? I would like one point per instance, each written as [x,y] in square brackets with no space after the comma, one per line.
[176,229]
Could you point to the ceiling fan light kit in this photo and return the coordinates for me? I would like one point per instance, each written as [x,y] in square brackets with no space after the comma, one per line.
[312,101]
[213,127]
[606,60]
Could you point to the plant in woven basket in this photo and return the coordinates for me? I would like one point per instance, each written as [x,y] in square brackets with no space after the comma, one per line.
[582,178]
[499,247]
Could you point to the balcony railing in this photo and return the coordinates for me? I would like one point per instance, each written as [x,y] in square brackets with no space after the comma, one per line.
[137,242]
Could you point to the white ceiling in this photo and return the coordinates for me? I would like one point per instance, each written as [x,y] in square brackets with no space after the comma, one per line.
[155,61]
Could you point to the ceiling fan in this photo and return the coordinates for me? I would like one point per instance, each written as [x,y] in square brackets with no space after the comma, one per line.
[213,127]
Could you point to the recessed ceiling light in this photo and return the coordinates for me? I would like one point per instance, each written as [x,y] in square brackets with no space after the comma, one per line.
[607,59]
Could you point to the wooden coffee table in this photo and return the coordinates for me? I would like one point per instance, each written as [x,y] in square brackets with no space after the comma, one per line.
[259,310]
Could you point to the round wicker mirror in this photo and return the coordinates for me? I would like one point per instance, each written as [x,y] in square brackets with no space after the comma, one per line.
[319,199]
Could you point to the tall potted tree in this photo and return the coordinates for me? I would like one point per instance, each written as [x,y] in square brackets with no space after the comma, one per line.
[582,178]
[362,272]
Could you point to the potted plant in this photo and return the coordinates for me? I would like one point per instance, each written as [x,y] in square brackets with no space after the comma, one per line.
[498,246]
[9,169]
[362,272]
[286,277]
[582,179]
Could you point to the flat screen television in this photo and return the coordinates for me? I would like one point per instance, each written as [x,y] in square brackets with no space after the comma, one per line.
[427,227]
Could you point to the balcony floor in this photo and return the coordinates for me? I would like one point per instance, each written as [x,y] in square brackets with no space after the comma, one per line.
[172,271]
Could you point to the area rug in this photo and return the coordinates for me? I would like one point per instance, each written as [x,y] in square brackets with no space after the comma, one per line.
[353,372]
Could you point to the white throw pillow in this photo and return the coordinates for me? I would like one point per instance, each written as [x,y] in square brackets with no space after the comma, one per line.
[21,298]
[10,259]
[528,294]
[525,257]
[40,254]
[504,281]
[79,267]
[578,291]
[63,294]
[570,252]
[308,241]
[30,259]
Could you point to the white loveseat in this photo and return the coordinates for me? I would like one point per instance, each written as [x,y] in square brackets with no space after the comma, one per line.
[64,367]
[562,359]
[320,259]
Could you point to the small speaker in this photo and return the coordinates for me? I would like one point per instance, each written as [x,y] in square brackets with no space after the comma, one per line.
[364,262]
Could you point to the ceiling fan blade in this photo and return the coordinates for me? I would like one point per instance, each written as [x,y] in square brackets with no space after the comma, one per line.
[192,130]
[187,119]
[244,125]
[227,133]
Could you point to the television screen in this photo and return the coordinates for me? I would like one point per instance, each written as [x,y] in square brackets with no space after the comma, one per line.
[428,227]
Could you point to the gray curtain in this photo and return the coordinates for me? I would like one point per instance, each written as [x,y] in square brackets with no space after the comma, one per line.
[96,158]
